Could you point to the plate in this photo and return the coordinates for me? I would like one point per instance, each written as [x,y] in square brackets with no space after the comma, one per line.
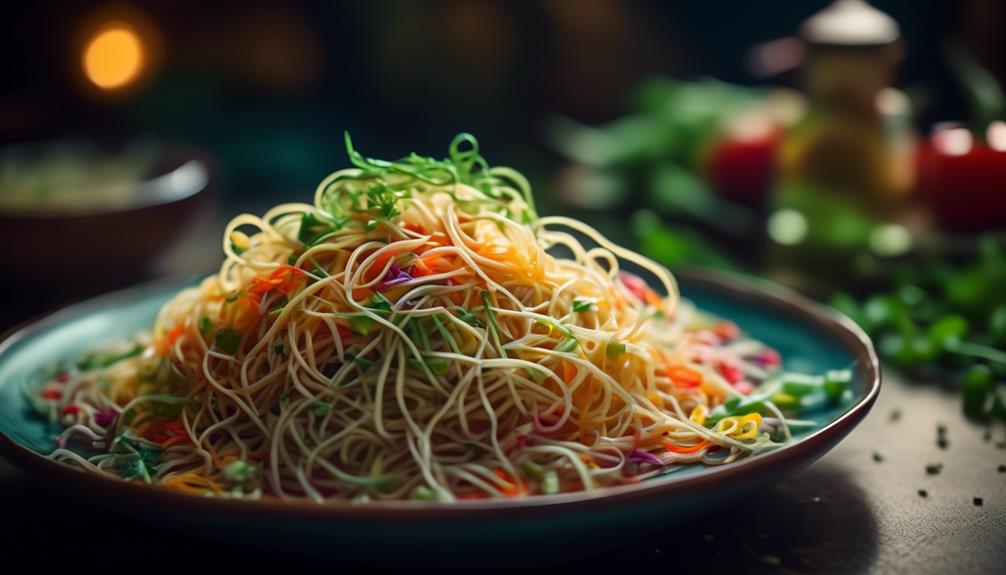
[810,337]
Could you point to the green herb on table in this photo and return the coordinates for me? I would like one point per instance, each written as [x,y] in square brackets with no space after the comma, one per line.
[945,321]
[923,493]
[934,468]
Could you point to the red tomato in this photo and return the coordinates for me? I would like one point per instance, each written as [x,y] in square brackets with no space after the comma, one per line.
[741,167]
[963,180]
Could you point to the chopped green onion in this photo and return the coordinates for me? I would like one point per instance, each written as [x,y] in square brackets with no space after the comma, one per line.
[227,340]
[423,493]
[550,483]
[321,409]
[108,360]
[836,382]
[568,345]
[379,302]
[239,471]
[446,335]
[493,324]
[614,349]
[536,375]
[436,365]
[799,385]
[474,447]
[580,306]
[361,324]
[533,470]
[553,325]
[469,318]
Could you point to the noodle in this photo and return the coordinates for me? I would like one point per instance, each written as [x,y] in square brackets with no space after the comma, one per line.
[410,334]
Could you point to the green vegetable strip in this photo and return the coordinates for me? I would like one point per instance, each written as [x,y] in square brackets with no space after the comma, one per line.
[494,328]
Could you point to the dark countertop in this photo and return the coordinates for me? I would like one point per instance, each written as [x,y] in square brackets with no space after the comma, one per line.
[847,513]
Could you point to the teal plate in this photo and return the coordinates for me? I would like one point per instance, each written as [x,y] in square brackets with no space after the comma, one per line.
[811,338]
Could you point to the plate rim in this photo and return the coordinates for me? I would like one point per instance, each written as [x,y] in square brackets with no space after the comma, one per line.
[802,451]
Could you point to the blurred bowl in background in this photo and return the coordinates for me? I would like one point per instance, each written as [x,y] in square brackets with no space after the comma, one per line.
[71,213]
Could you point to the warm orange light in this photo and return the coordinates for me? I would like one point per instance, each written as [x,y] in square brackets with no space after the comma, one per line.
[114,57]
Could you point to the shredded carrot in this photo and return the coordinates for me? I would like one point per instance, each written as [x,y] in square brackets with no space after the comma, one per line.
[377,267]
[686,449]
[191,482]
[568,372]
[510,487]
[415,228]
[683,376]
[176,333]
[283,279]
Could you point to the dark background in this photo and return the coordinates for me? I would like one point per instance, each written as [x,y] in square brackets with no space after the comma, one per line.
[268,87]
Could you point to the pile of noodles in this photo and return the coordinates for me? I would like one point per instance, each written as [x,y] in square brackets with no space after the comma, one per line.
[414,333]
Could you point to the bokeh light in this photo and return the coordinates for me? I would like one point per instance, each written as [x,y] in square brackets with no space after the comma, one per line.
[114,57]
[787,227]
